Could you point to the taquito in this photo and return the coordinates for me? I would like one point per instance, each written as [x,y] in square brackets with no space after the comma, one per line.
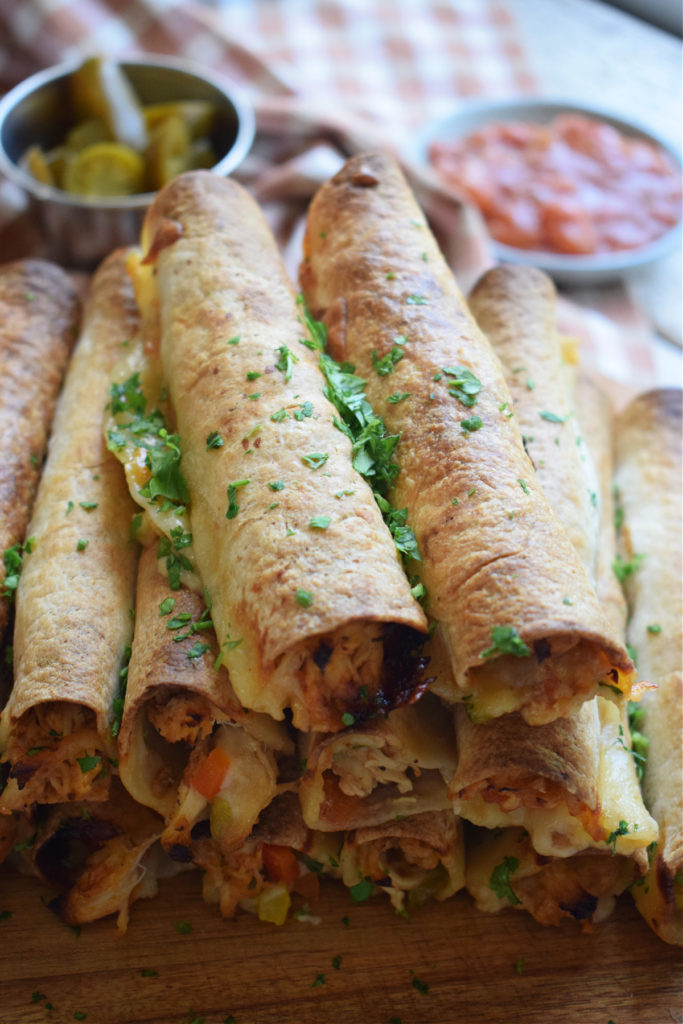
[393,765]
[76,592]
[187,748]
[100,856]
[308,594]
[648,481]
[280,857]
[570,782]
[412,859]
[39,313]
[497,565]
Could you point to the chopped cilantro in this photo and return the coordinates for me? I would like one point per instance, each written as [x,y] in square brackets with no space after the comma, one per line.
[320,522]
[183,927]
[88,506]
[421,986]
[345,921]
[118,701]
[319,980]
[214,440]
[148,972]
[279,416]
[315,459]
[386,364]
[506,640]
[88,762]
[621,830]
[552,417]
[623,569]
[416,300]
[362,891]
[233,507]
[166,606]
[197,650]
[316,328]
[304,411]
[347,718]
[398,396]
[465,386]
[277,485]
[499,882]
[523,484]
[304,597]
[519,965]
[472,424]
[81,544]
[235,340]
[336,962]
[286,361]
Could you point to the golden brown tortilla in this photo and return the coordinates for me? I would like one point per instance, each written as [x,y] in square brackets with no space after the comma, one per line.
[301,611]
[75,597]
[493,552]
[39,313]
[648,481]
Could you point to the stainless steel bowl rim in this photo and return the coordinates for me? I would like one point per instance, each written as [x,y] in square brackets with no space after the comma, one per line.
[246,128]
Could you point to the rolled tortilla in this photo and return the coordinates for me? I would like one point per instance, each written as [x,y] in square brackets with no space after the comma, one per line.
[305,583]
[504,870]
[495,561]
[648,480]
[413,860]
[101,856]
[570,783]
[180,712]
[39,314]
[280,857]
[76,592]
[395,765]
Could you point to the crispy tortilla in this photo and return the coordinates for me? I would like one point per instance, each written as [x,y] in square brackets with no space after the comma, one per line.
[302,612]
[493,552]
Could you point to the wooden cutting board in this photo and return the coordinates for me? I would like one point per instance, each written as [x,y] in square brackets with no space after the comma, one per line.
[449,964]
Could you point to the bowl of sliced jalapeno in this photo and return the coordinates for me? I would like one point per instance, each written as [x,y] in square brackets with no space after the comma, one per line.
[91,142]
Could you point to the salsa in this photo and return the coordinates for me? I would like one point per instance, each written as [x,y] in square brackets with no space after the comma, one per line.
[574,186]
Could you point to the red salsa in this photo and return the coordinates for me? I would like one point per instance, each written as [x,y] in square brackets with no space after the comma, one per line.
[575,186]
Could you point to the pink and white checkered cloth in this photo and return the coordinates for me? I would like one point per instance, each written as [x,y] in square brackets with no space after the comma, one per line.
[327,78]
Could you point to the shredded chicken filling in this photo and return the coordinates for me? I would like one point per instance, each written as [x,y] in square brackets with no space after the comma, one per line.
[362,767]
[57,756]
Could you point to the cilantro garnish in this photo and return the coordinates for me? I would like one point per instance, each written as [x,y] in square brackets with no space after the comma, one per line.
[12,559]
[623,569]
[506,640]
[304,597]
[362,891]
[621,830]
[286,361]
[471,424]
[277,485]
[316,328]
[197,650]
[166,606]
[88,506]
[88,762]
[416,300]
[81,544]
[320,522]
[386,364]
[214,440]
[319,980]
[465,386]
[304,411]
[499,881]
[552,417]
[233,507]
[118,702]
[398,397]
[347,718]
[315,460]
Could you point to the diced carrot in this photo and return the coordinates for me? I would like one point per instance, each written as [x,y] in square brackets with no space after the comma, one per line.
[208,777]
[280,863]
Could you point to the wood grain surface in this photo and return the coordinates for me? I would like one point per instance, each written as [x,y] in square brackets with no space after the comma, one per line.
[480,969]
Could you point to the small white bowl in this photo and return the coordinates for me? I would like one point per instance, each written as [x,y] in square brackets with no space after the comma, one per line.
[564,269]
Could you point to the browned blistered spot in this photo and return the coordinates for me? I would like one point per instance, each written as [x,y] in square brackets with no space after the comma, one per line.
[363,178]
[168,232]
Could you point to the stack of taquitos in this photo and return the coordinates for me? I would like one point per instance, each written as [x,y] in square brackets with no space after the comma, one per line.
[648,481]
[495,561]
[572,783]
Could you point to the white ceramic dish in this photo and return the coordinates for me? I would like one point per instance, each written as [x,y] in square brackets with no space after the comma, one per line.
[564,269]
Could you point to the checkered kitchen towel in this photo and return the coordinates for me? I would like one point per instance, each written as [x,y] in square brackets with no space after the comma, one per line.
[327,78]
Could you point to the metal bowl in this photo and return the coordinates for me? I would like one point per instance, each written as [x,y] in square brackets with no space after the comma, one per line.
[79,231]
[565,269]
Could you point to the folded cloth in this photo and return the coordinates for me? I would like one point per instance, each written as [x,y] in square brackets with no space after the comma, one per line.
[327,78]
